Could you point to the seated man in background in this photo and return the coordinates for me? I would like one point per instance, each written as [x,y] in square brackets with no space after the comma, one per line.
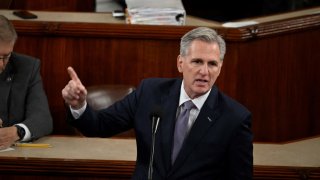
[24,110]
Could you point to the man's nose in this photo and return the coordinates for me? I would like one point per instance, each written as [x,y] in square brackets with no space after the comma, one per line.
[204,69]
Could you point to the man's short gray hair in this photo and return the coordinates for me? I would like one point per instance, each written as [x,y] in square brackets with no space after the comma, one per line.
[203,34]
[7,31]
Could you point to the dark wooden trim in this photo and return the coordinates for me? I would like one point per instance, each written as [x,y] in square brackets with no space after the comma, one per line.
[62,167]
[273,28]
[123,169]
[286,172]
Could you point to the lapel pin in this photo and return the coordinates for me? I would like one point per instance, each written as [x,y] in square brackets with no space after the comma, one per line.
[210,120]
[8,79]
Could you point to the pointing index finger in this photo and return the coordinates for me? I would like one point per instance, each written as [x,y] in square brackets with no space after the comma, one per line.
[73,75]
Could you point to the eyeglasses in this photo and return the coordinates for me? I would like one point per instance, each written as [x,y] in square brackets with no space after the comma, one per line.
[5,57]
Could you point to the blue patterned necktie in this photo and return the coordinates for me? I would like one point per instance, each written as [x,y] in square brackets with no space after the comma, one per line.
[181,128]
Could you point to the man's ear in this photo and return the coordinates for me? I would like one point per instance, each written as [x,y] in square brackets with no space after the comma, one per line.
[220,67]
[179,63]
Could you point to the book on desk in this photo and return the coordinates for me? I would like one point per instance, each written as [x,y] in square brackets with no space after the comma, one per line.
[164,12]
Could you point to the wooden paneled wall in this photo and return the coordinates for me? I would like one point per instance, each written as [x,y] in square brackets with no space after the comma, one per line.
[276,78]
[271,68]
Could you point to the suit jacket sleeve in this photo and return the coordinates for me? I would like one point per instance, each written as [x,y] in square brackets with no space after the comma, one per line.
[240,152]
[106,122]
[37,114]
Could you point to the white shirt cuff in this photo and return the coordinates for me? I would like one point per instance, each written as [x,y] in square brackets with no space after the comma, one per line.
[76,113]
[27,136]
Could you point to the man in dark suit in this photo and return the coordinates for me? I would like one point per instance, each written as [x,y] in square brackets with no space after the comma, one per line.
[218,139]
[24,111]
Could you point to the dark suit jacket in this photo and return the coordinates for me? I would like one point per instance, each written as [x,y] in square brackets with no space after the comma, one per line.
[219,144]
[23,99]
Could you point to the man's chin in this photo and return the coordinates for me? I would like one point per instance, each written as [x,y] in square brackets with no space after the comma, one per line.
[201,91]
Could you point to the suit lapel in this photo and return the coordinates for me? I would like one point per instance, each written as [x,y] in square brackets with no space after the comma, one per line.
[170,102]
[205,120]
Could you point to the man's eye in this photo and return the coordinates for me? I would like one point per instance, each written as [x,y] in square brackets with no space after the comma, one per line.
[213,63]
[196,61]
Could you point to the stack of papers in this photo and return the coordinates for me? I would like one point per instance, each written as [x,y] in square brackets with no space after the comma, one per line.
[155,12]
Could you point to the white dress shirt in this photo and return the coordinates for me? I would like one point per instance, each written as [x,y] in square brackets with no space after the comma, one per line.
[198,102]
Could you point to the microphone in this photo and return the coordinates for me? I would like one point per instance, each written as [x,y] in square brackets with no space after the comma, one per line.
[155,117]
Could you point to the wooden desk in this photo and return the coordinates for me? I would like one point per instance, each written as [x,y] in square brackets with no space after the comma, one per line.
[271,67]
[291,160]
[71,157]
[95,158]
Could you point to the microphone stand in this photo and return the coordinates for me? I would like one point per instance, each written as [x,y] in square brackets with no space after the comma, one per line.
[154,131]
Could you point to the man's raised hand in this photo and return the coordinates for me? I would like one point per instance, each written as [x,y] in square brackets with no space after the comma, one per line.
[74,93]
